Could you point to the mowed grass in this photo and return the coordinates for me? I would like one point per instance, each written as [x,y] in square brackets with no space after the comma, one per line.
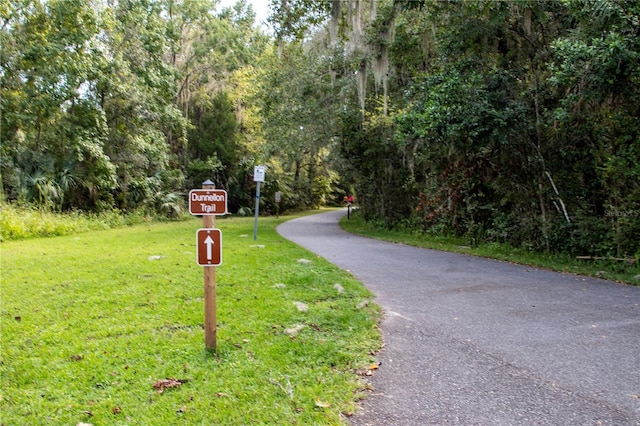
[92,323]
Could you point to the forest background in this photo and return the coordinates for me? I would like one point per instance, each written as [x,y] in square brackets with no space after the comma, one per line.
[510,121]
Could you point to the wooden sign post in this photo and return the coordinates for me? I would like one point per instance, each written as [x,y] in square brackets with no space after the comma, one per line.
[209,202]
[210,326]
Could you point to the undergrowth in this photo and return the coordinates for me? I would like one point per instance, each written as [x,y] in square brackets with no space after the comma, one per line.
[23,222]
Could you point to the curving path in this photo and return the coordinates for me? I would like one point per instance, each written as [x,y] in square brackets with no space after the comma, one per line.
[472,341]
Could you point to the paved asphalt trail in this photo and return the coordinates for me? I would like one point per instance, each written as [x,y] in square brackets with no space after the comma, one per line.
[472,341]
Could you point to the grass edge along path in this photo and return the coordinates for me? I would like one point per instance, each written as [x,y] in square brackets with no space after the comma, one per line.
[106,328]
[622,272]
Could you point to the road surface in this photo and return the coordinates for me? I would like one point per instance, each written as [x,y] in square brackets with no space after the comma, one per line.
[473,341]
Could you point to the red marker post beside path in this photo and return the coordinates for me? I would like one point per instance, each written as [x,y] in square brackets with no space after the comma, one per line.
[209,202]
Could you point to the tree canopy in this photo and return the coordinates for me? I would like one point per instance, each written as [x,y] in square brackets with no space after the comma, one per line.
[512,121]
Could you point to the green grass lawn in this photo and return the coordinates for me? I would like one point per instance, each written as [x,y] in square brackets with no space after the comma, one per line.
[92,324]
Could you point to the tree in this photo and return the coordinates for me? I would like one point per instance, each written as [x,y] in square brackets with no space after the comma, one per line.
[97,97]
[52,129]
[595,76]
[299,114]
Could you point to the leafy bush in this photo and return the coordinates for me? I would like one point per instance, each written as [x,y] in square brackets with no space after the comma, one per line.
[21,222]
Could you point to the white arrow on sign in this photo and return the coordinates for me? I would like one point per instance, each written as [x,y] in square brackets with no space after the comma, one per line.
[209,242]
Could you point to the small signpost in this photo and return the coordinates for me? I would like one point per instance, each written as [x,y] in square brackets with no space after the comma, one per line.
[278,199]
[258,173]
[258,177]
[209,202]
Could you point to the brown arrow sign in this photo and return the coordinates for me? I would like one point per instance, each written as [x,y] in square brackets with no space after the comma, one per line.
[209,246]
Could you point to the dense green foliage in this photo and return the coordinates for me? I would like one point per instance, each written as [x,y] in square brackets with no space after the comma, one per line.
[25,222]
[511,121]
[122,104]
[507,121]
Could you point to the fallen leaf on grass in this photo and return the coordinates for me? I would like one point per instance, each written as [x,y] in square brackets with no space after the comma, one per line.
[322,404]
[162,385]
[373,366]
[116,410]
[362,304]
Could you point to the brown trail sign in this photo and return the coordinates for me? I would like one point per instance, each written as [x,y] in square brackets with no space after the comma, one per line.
[209,202]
